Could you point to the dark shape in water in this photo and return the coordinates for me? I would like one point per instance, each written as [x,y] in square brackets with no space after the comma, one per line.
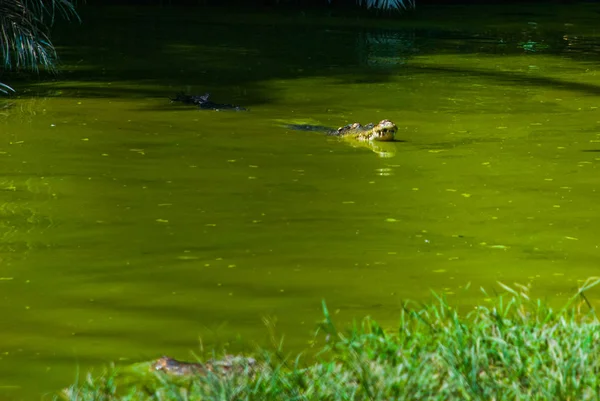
[203,103]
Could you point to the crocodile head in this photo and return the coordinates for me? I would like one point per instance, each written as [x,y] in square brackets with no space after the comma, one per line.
[385,131]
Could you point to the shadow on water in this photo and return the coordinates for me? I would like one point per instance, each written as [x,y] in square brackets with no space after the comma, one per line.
[511,78]
[122,62]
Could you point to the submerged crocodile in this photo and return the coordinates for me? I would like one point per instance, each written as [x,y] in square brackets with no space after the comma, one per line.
[377,137]
[220,367]
[203,103]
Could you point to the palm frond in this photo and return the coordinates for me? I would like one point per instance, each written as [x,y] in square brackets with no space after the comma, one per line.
[5,88]
[385,5]
[389,5]
[51,8]
[24,40]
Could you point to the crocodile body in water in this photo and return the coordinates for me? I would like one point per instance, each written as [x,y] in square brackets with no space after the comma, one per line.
[229,364]
[377,137]
[384,131]
[204,104]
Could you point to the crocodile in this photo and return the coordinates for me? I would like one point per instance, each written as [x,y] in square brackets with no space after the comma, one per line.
[384,131]
[376,137]
[220,367]
[203,102]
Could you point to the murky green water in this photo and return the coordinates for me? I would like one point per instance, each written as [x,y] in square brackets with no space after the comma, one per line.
[132,227]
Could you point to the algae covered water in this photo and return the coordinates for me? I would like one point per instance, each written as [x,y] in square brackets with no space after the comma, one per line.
[132,227]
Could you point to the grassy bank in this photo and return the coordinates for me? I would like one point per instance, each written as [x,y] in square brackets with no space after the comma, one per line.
[512,347]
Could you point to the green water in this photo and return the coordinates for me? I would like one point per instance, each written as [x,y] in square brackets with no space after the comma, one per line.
[132,227]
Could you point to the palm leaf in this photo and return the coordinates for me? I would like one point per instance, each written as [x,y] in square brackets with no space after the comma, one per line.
[385,5]
[43,9]
[389,5]
[24,40]
[5,88]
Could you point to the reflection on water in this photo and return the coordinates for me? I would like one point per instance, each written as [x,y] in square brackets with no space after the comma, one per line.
[384,49]
[131,227]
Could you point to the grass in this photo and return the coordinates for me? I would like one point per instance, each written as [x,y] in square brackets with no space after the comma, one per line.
[511,348]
